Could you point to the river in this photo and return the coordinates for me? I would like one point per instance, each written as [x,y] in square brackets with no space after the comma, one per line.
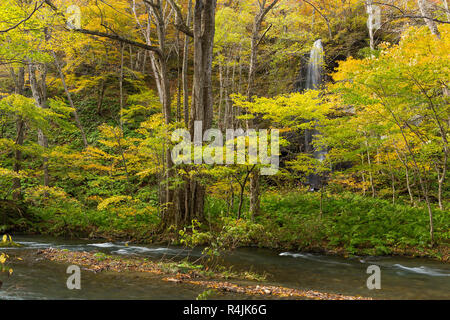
[37,278]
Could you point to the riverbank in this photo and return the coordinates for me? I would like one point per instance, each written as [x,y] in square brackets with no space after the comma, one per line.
[186,273]
[349,225]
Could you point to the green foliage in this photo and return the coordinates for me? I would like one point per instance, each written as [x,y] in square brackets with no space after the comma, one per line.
[205,295]
[194,236]
[60,214]
[356,223]
[383,120]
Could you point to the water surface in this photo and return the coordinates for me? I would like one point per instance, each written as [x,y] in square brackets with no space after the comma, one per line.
[37,278]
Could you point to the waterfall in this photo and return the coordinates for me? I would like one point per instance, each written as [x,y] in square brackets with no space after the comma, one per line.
[313,82]
[315,66]
[373,20]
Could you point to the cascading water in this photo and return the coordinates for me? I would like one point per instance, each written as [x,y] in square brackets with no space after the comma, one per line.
[315,66]
[313,82]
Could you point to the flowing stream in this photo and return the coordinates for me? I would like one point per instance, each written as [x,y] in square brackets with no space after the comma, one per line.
[37,278]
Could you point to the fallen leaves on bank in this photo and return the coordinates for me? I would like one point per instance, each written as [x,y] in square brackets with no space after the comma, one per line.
[99,262]
[265,290]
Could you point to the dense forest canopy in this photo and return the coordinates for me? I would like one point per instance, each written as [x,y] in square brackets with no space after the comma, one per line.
[91,91]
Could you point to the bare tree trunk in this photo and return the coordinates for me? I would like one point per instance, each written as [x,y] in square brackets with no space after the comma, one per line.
[19,85]
[370,169]
[408,186]
[39,91]
[392,180]
[363,177]
[185,68]
[121,101]
[321,199]
[131,56]
[441,178]
[160,19]
[230,202]
[178,78]
[241,193]
[424,11]
[255,194]
[204,29]
[256,38]
[147,35]
[228,114]
[144,61]
[121,86]
[202,98]
[408,183]
[219,118]
[101,94]
[447,12]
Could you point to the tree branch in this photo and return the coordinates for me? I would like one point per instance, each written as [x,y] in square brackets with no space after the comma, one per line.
[36,8]
[115,37]
[263,35]
[419,17]
[322,15]
[269,7]
[179,21]
[405,15]
[120,39]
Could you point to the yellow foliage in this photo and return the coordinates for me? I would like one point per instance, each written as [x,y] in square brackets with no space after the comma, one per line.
[112,200]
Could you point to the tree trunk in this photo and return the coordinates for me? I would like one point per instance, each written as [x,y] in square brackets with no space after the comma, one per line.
[408,183]
[39,91]
[191,204]
[241,194]
[424,11]
[19,85]
[185,69]
[204,29]
[161,69]
[447,12]
[391,171]
[101,95]
[370,170]
[179,78]
[256,38]
[121,87]
[321,199]
[202,99]
[255,194]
